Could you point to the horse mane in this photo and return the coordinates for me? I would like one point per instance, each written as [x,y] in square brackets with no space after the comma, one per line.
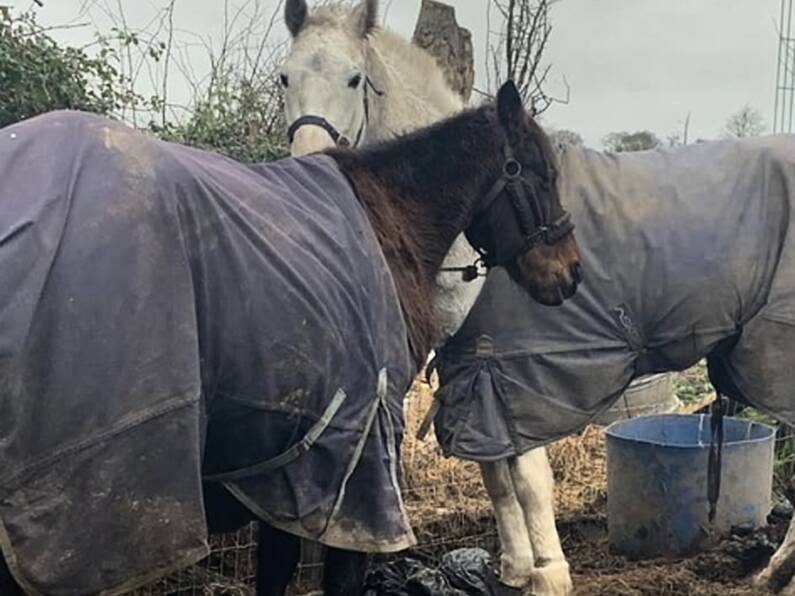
[550,153]
[414,67]
[330,15]
[419,191]
[416,92]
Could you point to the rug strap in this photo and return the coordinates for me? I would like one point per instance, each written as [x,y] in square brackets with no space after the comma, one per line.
[425,427]
[715,461]
[292,453]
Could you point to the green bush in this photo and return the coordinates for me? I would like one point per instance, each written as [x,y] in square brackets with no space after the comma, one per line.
[37,75]
[237,119]
[236,116]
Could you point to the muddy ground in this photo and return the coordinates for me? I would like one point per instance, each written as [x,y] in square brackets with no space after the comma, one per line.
[723,571]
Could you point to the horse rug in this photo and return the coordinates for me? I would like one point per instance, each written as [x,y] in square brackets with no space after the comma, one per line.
[686,253]
[167,314]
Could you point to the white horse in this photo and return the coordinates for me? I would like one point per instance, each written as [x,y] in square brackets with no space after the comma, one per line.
[348,81]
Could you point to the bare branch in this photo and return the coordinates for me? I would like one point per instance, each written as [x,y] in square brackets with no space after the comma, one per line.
[167,59]
[516,50]
[387,8]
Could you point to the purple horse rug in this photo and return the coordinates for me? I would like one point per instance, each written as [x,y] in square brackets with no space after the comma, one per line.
[168,317]
[687,253]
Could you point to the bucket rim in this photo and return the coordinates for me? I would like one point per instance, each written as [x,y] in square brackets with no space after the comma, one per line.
[612,432]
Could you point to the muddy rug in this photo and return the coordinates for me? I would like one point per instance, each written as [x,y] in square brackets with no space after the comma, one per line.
[167,316]
[686,253]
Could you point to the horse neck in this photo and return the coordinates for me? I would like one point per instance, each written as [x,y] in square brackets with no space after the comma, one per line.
[415,92]
[420,193]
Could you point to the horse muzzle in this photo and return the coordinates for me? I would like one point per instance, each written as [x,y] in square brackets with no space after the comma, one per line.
[310,139]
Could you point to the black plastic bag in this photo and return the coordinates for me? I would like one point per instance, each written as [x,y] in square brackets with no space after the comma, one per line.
[390,579]
[431,582]
[464,572]
[470,570]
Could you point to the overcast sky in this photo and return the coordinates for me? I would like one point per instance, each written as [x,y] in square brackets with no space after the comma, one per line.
[630,64]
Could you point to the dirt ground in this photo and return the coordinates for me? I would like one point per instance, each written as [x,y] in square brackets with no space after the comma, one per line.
[723,571]
[449,509]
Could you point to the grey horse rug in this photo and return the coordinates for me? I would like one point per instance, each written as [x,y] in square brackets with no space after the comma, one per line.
[686,253]
[169,315]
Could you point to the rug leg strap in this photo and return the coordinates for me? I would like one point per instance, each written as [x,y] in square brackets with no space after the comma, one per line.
[425,427]
[292,453]
[715,461]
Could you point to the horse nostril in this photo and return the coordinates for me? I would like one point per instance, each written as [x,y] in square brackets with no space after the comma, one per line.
[570,290]
[566,287]
[576,272]
[552,296]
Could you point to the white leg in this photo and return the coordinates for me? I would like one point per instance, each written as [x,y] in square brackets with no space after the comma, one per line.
[516,559]
[779,572]
[532,478]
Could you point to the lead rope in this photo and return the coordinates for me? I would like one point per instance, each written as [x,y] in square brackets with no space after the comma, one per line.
[468,273]
[714,464]
[430,368]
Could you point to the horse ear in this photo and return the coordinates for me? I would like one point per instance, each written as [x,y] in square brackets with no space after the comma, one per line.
[365,17]
[295,16]
[509,105]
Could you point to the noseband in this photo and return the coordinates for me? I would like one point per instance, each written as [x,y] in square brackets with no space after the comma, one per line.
[533,219]
[339,139]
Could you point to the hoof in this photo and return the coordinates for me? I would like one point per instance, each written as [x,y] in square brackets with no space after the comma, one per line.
[762,579]
[765,581]
[505,590]
[516,572]
[553,579]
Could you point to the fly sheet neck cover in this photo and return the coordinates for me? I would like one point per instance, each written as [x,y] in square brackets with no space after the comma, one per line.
[168,314]
[686,253]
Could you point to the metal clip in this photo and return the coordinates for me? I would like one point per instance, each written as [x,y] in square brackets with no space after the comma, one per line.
[484,347]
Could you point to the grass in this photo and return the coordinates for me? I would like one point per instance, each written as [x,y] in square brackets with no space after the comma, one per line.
[692,385]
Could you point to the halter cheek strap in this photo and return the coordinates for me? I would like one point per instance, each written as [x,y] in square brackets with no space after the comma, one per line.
[532,218]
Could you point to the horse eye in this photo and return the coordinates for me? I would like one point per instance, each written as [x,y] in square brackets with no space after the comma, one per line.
[355,81]
[285,80]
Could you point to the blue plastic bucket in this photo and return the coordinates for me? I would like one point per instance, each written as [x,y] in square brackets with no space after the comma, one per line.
[657,483]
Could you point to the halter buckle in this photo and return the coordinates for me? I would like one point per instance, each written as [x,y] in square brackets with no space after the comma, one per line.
[540,236]
[512,169]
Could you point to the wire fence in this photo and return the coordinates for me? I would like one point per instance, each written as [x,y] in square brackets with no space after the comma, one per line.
[230,570]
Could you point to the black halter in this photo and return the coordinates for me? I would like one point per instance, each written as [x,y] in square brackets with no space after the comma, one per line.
[534,221]
[339,139]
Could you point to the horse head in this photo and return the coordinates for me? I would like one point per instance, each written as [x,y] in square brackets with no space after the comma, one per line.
[326,87]
[520,223]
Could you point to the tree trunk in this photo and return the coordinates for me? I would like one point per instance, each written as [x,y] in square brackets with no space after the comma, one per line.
[439,34]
